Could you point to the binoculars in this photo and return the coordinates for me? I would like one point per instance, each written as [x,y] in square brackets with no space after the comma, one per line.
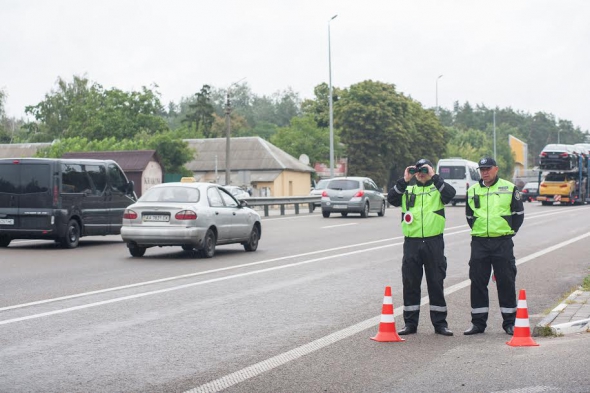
[415,170]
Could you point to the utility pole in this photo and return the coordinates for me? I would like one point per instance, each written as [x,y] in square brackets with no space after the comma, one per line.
[227,139]
[228,133]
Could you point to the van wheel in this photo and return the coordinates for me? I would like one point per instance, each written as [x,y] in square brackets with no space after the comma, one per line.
[454,203]
[4,241]
[252,243]
[72,237]
[136,251]
[325,213]
[544,203]
[208,249]
[187,248]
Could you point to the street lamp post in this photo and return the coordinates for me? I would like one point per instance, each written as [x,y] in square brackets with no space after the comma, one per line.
[330,101]
[558,132]
[437,111]
[494,134]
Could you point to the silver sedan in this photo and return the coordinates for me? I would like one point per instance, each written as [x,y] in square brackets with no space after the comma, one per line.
[194,216]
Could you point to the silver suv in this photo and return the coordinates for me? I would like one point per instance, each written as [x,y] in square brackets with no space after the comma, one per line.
[353,195]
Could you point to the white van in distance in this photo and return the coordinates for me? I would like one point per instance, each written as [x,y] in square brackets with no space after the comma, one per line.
[460,173]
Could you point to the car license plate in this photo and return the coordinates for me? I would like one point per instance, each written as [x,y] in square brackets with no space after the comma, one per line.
[156,218]
[6,221]
[553,156]
[340,206]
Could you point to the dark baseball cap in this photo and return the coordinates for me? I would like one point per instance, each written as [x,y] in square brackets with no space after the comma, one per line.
[423,161]
[487,162]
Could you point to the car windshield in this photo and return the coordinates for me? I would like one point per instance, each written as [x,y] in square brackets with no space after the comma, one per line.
[171,194]
[322,184]
[556,177]
[344,185]
[531,185]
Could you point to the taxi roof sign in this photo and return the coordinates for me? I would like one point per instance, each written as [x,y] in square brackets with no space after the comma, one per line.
[189,179]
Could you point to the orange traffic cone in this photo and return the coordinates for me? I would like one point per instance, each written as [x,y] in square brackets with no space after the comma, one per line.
[522,329]
[387,332]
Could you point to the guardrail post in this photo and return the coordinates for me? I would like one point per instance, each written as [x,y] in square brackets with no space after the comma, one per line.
[310,205]
[296,208]
[282,210]
[265,210]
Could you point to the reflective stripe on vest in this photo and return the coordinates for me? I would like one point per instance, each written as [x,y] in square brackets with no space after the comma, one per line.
[493,218]
[425,222]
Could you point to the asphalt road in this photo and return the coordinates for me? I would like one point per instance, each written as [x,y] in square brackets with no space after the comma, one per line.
[295,316]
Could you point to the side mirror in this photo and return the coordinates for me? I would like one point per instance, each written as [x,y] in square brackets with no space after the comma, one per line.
[130,187]
[243,203]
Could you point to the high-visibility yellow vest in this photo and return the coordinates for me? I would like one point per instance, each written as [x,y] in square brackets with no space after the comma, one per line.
[427,212]
[492,215]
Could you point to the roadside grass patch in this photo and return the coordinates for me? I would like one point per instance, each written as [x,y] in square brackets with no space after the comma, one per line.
[586,284]
[563,297]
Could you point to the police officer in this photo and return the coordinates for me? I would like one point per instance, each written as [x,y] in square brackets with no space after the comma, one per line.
[494,212]
[423,223]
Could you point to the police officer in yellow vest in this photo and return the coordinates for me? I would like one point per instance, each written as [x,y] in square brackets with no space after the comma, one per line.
[423,223]
[494,212]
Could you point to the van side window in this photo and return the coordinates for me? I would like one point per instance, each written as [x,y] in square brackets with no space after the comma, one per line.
[98,174]
[117,179]
[75,179]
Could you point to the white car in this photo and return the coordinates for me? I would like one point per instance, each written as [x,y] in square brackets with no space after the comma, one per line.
[237,192]
[194,216]
[318,190]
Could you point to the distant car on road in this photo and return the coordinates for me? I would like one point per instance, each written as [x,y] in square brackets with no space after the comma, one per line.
[237,192]
[318,190]
[353,195]
[530,191]
[194,216]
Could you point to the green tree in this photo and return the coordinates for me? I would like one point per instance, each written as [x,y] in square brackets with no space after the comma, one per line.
[202,112]
[303,136]
[173,152]
[319,107]
[4,137]
[82,108]
[384,131]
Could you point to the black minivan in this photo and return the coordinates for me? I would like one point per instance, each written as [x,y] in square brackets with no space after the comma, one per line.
[61,199]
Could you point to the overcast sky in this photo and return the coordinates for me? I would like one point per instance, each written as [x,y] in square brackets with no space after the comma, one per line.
[531,55]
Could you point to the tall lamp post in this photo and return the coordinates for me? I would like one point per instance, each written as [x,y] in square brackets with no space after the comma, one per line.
[437,111]
[494,134]
[228,133]
[558,132]
[330,101]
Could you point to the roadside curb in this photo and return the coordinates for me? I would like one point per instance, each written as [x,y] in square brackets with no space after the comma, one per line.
[562,322]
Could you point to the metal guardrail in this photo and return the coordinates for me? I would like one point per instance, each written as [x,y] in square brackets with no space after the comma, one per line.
[282,202]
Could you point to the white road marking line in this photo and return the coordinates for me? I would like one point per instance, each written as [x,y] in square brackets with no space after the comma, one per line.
[194,284]
[166,279]
[340,225]
[254,370]
[210,281]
